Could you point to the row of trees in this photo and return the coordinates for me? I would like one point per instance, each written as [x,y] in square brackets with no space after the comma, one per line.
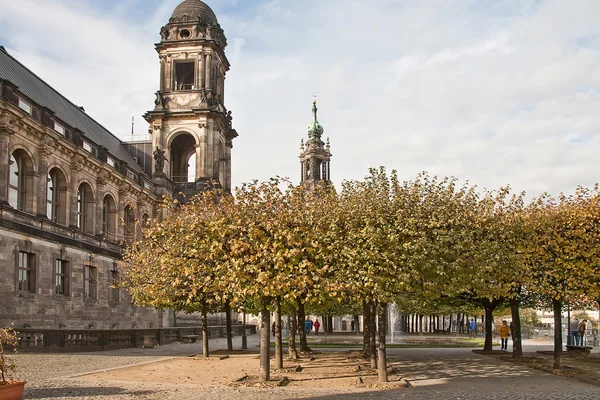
[426,245]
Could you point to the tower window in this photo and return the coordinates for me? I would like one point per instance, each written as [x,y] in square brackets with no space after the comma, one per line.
[184,76]
[184,34]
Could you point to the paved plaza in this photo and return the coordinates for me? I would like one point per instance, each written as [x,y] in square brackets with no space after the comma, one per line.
[445,373]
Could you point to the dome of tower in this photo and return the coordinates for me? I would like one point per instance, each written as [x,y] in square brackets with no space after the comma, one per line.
[195,9]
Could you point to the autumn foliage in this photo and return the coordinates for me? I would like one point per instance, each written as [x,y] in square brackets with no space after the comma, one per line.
[422,244]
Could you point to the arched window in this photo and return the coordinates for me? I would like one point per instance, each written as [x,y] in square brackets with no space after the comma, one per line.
[129,219]
[56,196]
[81,209]
[191,168]
[145,220]
[16,184]
[85,210]
[108,218]
[20,181]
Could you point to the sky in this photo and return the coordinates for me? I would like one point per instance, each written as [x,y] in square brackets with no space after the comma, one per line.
[498,92]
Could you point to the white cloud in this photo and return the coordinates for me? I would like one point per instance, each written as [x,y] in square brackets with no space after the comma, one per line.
[503,92]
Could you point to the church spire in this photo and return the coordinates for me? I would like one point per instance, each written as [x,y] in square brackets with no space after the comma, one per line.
[315,155]
[315,130]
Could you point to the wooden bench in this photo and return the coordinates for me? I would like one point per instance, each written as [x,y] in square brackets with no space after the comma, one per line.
[189,338]
[579,351]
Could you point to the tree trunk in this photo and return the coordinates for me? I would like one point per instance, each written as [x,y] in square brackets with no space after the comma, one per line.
[489,307]
[366,331]
[292,352]
[265,343]
[373,329]
[228,323]
[278,338]
[301,317]
[516,329]
[244,339]
[205,337]
[325,326]
[381,356]
[329,324]
[356,325]
[557,309]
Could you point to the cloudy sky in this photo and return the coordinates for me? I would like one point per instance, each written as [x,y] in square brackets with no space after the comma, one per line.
[495,92]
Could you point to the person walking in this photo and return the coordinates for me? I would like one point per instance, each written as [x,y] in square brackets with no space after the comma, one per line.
[307,326]
[574,327]
[472,328]
[504,334]
[317,325]
[581,332]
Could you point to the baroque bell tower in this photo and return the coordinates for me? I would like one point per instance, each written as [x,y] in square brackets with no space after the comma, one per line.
[190,126]
[315,155]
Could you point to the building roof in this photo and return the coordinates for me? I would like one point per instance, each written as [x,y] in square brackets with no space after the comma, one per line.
[44,95]
[195,9]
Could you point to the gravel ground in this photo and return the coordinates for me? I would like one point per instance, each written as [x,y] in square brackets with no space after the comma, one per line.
[434,373]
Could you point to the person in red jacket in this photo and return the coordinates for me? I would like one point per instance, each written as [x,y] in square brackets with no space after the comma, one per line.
[317,325]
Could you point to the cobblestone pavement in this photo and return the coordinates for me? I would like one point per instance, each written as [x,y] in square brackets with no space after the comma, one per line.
[457,374]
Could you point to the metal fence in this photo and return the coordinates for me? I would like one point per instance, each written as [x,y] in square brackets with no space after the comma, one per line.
[52,340]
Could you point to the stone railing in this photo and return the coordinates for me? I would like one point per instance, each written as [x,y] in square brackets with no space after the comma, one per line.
[70,341]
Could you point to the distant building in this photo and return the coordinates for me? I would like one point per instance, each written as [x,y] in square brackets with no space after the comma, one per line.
[72,193]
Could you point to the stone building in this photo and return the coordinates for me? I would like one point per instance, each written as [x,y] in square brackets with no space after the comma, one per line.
[72,194]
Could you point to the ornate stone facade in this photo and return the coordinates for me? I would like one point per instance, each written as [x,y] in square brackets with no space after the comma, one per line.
[72,194]
[189,121]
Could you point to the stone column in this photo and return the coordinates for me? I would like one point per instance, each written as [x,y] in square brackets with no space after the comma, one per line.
[228,148]
[199,161]
[5,132]
[201,64]
[124,189]
[44,151]
[210,152]
[101,180]
[201,151]
[76,165]
[168,74]
[208,71]
[162,72]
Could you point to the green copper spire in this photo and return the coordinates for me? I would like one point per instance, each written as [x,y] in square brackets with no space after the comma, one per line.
[315,130]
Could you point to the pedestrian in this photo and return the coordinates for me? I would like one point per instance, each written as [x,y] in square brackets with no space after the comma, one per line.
[504,334]
[352,325]
[317,326]
[472,328]
[574,327]
[307,326]
[581,332]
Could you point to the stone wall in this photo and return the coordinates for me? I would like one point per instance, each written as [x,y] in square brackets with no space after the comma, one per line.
[43,308]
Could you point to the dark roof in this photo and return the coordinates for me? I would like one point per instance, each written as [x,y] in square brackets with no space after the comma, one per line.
[195,9]
[44,95]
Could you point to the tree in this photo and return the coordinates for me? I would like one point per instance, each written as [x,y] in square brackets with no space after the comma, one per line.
[179,263]
[563,252]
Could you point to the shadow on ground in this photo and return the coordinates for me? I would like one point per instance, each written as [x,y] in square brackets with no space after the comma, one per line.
[80,392]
